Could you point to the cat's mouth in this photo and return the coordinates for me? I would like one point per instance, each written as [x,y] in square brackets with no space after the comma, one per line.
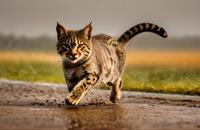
[72,59]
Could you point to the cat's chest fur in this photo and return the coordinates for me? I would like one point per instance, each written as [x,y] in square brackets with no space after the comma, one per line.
[78,72]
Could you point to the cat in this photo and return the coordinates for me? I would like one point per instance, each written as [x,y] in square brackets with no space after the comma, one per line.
[90,60]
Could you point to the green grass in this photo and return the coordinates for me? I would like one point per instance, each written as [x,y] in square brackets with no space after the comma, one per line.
[31,71]
[163,80]
[150,79]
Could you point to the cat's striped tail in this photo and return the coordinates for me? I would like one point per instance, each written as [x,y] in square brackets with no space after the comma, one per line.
[139,28]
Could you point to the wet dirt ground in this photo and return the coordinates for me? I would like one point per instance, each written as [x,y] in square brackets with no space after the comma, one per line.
[40,106]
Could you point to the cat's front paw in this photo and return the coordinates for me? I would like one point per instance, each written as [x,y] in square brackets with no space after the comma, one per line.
[70,101]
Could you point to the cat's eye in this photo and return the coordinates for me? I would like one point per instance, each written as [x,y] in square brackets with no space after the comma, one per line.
[66,47]
[81,45]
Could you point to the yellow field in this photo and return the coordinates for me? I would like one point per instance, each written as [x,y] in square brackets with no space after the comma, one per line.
[174,58]
[29,56]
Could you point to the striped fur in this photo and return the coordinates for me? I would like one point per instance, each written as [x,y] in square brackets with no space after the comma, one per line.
[139,28]
[89,61]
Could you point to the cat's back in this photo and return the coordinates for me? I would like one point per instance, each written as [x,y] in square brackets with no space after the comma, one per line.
[103,46]
[108,46]
[108,54]
[105,39]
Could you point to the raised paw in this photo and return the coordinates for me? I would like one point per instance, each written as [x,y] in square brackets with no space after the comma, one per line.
[70,101]
[74,98]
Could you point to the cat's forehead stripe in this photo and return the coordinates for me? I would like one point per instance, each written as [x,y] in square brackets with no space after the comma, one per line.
[69,40]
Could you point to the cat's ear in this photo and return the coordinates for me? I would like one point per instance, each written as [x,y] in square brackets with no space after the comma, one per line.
[60,29]
[87,31]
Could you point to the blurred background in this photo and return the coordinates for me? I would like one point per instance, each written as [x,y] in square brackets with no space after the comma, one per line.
[172,65]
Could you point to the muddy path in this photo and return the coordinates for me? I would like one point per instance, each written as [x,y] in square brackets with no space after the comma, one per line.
[40,106]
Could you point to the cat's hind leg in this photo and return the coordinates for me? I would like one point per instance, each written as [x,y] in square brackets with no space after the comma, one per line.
[116,91]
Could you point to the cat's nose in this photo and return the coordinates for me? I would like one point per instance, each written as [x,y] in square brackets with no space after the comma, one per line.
[74,54]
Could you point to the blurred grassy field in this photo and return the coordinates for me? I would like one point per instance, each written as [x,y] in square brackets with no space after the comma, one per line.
[165,72]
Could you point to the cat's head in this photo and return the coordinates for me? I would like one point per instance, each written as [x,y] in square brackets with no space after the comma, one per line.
[74,46]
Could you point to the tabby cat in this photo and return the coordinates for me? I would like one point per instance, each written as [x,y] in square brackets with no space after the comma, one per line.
[90,60]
